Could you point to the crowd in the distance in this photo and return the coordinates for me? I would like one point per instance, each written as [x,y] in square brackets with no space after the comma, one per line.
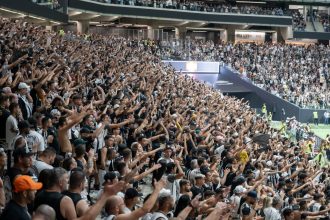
[298,21]
[299,74]
[103,113]
[204,6]
[325,20]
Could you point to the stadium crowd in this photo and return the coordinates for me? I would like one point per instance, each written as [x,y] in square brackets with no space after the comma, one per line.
[204,6]
[100,112]
[325,20]
[298,74]
[298,21]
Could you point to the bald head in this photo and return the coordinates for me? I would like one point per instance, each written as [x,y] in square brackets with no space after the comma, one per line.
[44,212]
[114,205]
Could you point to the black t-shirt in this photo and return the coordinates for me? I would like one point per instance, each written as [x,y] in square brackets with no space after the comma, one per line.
[52,131]
[196,190]
[230,178]
[36,101]
[88,130]
[12,173]
[4,114]
[76,197]
[53,199]
[15,211]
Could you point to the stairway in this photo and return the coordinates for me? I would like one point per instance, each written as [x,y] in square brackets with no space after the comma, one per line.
[318,26]
[309,27]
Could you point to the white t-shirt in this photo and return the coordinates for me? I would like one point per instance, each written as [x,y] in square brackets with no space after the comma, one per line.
[126,210]
[272,214]
[34,137]
[158,215]
[100,138]
[40,165]
[235,199]
[11,123]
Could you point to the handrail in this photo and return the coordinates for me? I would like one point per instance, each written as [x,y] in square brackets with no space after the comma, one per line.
[190,11]
[314,27]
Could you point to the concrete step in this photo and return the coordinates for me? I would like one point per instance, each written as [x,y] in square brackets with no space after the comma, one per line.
[309,27]
[318,26]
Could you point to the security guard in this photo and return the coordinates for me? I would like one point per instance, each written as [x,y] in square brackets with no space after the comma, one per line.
[270,117]
[61,32]
[264,110]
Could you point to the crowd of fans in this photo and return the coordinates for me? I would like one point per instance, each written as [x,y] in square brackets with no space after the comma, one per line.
[298,21]
[82,113]
[325,20]
[204,6]
[298,74]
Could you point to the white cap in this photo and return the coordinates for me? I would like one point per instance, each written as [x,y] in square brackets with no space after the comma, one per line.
[55,112]
[239,189]
[269,163]
[23,86]
[116,106]
[285,174]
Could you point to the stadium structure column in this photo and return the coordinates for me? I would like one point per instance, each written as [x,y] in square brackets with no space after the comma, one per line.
[231,34]
[153,32]
[180,32]
[83,27]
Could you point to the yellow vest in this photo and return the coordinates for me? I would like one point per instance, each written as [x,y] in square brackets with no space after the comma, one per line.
[61,32]
[270,116]
[315,115]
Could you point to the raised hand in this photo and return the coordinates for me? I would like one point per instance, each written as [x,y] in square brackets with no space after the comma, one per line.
[110,190]
[156,166]
[160,184]
[195,202]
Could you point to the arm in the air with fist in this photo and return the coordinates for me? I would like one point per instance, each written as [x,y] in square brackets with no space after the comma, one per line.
[147,206]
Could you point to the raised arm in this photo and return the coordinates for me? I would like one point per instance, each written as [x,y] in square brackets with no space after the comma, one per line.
[148,205]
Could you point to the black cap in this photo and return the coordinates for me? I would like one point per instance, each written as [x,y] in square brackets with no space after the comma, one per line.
[78,142]
[22,152]
[132,193]
[252,194]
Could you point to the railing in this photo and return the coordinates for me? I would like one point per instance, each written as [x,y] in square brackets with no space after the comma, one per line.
[314,27]
[133,34]
[56,5]
[194,6]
